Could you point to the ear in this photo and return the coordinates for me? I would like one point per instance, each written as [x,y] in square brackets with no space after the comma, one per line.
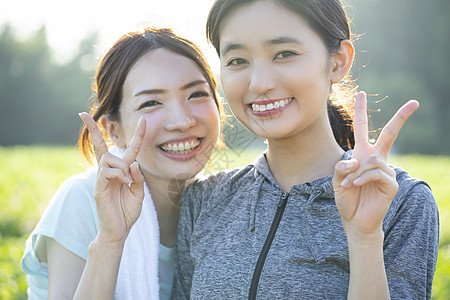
[342,61]
[113,130]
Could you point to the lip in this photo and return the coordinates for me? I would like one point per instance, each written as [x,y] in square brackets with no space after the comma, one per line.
[271,112]
[181,156]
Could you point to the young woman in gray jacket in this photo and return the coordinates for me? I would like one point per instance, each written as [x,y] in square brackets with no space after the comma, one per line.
[321,214]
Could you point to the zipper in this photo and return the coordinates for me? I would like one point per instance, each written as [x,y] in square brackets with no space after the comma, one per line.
[267,244]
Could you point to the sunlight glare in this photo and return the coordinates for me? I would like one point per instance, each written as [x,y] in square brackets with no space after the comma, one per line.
[68,22]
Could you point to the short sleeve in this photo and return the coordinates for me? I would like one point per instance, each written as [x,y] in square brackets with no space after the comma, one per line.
[70,218]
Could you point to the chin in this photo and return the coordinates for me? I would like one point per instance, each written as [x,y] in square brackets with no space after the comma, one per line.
[267,134]
[183,175]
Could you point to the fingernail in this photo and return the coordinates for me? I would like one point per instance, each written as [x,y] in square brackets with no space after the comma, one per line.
[135,164]
[130,180]
[345,183]
[349,165]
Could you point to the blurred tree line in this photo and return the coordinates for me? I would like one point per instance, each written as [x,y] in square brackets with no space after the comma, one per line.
[401,54]
[39,98]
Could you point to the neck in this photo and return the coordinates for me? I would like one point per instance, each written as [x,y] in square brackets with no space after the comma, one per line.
[303,158]
[166,195]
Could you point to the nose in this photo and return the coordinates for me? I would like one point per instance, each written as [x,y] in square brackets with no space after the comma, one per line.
[180,118]
[262,78]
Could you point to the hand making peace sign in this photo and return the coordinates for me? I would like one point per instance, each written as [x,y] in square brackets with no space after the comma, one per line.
[119,188]
[365,185]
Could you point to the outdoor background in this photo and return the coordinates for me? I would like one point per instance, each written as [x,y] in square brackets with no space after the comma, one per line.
[48,53]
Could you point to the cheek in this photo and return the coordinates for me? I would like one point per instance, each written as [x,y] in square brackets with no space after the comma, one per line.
[307,80]
[295,75]
[155,122]
[208,114]
[235,84]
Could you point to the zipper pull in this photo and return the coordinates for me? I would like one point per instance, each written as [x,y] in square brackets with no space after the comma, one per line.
[284,197]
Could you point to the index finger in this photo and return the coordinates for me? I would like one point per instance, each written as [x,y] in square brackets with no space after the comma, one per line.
[97,140]
[360,125]
[133,149]
[390,132]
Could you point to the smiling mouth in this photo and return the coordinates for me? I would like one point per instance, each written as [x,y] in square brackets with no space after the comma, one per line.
[183,147]
[263,106]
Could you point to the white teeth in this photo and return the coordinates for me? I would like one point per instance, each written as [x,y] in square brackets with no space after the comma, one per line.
[270,106]
[181,148]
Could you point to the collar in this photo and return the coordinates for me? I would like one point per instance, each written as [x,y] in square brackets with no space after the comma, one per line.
[321,186]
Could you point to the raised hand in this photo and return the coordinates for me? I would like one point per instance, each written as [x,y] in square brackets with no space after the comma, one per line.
[365,185]
[119,188]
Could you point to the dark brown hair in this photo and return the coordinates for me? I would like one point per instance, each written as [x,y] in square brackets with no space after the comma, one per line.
[113,69]
[329,20]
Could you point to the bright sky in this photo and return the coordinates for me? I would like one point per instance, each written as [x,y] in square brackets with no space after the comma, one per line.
[68,22]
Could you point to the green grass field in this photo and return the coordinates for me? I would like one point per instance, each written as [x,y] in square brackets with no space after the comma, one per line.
[30,175]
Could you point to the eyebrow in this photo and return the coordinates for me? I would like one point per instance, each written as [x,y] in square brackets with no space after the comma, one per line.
[231,46]
[162,91]
[282,40]
[275,41]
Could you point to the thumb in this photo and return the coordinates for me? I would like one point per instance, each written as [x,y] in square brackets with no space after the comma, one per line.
[137,186]
[341,170]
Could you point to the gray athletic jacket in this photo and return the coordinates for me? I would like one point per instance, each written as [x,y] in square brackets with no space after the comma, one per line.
[226,218]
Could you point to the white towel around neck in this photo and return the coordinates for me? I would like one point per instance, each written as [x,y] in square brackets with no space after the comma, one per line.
[138,271]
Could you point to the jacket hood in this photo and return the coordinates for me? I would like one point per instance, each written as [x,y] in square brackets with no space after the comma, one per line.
[322,186]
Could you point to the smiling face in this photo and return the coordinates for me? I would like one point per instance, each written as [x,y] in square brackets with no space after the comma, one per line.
[275,71]
[171,93]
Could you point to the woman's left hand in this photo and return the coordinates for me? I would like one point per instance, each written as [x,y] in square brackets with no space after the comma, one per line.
[365,185]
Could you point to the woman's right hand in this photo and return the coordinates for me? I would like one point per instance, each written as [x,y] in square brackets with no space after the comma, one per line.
[119,187]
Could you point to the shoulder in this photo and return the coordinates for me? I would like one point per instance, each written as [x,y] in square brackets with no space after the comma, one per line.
[74,198]
[83,181]
[414,201]
[211,189]
[221,181]
[76,189]
[215,180]
[413,188]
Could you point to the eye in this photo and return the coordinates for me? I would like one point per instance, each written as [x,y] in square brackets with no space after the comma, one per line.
[199,94]
[236,62]
[285,54]
[151,103]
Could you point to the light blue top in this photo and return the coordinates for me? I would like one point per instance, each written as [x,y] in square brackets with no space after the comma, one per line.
[71,219]
[166,271]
